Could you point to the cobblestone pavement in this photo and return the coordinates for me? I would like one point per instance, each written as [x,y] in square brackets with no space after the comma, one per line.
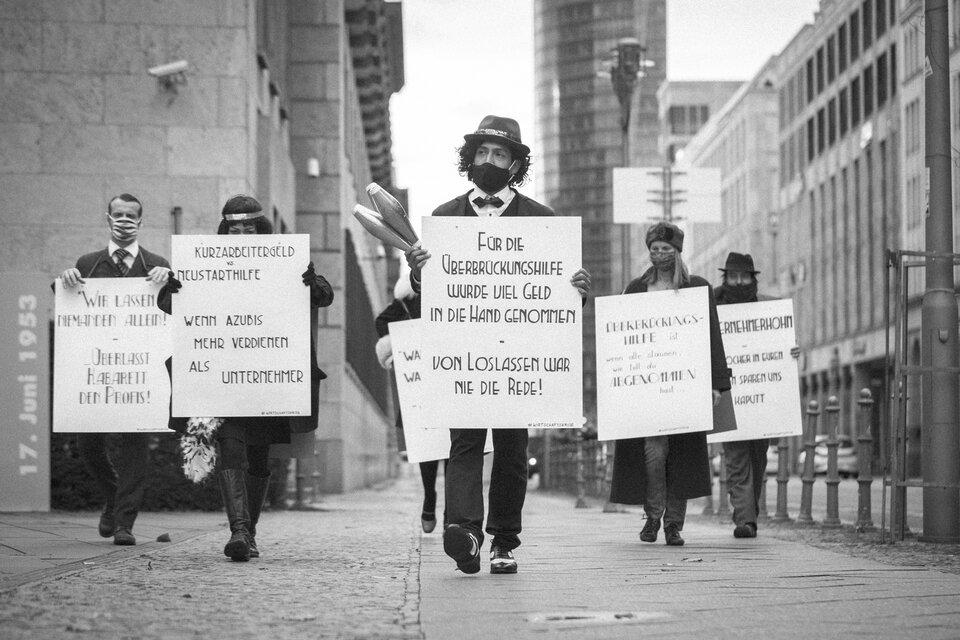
[346,571]
[358,567]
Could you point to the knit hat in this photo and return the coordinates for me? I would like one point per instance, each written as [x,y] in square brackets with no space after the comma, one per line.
[665,232]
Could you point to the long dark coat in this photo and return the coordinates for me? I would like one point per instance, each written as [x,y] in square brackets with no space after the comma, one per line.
[688,461]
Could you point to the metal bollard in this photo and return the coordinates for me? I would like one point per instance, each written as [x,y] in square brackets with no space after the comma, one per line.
[581,481]
[783,477]
[606,481]
[864,462]
[832,521]
[723,510]
[809,444]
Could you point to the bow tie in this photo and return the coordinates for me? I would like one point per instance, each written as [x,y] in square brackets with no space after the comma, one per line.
[483,201]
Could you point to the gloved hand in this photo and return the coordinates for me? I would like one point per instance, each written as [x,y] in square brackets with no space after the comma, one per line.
[310,275]
[173,285]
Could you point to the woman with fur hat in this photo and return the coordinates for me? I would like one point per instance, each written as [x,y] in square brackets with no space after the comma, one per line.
[663,472]
[406,306]
[244,442]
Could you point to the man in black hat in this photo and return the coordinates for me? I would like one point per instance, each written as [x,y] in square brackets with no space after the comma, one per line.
[746,460]
[122,488]
[496,161]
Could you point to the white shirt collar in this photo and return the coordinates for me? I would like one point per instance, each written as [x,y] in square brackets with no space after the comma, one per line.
[133,249]
[506,194]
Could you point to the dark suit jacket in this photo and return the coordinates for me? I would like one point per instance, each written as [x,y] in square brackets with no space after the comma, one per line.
[521,205]
[688,461]
[100,264]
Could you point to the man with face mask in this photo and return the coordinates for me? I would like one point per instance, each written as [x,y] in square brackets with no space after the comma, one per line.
[495,160]
[745,460]
[122,487]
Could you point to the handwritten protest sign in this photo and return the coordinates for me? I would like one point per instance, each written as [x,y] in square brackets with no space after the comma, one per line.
[757,338]
[424,442]
[110,344]
[653,364]
[241,326]
[503,322]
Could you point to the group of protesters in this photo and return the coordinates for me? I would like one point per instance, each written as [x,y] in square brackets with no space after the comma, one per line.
[659,472]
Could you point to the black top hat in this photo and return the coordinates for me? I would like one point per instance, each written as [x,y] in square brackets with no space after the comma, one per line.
[505,130]
[241,207]
[739,262]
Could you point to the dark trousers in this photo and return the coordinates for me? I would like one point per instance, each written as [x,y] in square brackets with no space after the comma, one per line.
[508,483]
[746,463]
[122,485]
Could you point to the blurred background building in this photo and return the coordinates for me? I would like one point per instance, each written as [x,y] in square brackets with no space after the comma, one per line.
[286,100]
[580,139]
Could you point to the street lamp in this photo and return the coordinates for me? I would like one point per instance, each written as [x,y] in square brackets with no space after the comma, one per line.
[626,68]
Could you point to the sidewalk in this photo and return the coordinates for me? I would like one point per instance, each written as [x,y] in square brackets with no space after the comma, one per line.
[358,567]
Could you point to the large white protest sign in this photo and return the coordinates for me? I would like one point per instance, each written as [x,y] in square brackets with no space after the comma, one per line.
[110,344]
[241,326]
[503,322]
[757,338]
[653,364]
[424,442]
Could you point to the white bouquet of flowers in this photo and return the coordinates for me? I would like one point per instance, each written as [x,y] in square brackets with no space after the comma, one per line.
[198,448]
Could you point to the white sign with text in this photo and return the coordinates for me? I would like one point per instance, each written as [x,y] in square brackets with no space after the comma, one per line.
[424,442]
[758,337]
[241,325]
[110,344]
[503,323]
[653,364]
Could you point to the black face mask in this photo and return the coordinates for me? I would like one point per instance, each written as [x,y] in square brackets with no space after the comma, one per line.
[739,292]
[490,178]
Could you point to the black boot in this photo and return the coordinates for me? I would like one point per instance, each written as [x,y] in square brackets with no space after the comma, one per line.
[256,494]
[234,492]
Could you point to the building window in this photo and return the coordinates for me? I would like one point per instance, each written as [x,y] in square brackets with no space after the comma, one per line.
[831,121]
[855,102]
[854,36]
[821,131]
[881,12]
[831,59]
[868,91]
[811,140]
[844,104]
[810,94]
[893,70]
[841,48]
[820,75]
[866,12]
[882,80]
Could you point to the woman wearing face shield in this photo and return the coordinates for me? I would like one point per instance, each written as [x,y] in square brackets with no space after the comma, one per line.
[244,442]
[663,472]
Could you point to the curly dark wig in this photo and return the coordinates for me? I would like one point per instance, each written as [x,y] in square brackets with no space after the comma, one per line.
[468,151]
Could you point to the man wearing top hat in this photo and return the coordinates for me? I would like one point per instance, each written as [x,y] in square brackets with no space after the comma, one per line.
[746,460]
[121,487]
[496,161]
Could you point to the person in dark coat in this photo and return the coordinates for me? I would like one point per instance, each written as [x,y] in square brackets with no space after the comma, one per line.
[663,472]
[244,442]
[406,306]
[122,484]
[495,160]
[745,460]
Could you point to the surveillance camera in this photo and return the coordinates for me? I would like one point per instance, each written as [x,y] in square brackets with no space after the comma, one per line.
[169,69]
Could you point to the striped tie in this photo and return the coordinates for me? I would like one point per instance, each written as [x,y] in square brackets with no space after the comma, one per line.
[119,256]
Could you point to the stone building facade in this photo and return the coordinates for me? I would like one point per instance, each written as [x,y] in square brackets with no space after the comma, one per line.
[282,99]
